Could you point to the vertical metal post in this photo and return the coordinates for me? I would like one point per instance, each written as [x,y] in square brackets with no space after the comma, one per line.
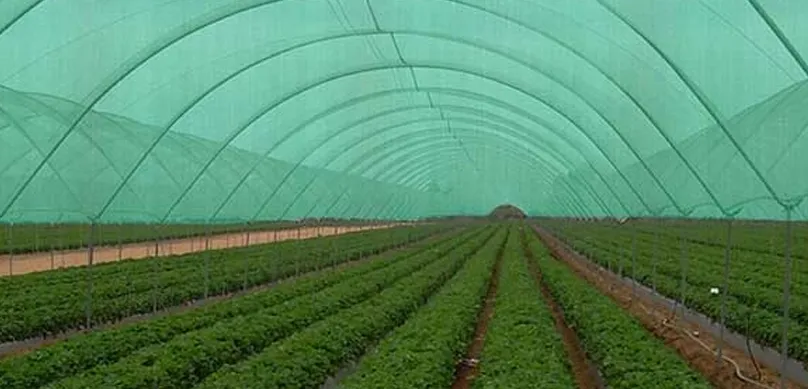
[683,268]
[60,244]
[10,240]
[297,253]
[633,264]
[724,293]
[156,243]
[128,269]
[169,238]
[88,302]
[155,265]
[35,227]
[191,236]
[654,258]
[207,260]
[786,297]
[246,257]
[52,254]
[120,243]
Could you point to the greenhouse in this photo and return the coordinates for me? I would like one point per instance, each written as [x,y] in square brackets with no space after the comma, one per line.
[403,193]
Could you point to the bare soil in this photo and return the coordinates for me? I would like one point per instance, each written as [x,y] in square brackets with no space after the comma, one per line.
[42,261]
[468,368]
[656,318]
[585,373]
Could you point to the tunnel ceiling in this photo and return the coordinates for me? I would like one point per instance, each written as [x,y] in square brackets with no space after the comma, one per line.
[239,111]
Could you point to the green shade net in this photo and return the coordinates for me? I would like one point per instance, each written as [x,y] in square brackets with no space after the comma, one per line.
[222,111]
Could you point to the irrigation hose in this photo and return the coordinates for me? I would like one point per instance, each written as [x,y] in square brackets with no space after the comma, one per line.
[667,323]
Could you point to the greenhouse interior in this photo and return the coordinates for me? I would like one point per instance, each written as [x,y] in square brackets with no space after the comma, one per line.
[403,194]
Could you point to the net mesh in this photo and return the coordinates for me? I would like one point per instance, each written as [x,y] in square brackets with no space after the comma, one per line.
[223,111]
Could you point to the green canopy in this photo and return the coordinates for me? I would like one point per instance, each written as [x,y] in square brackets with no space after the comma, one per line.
[241,110]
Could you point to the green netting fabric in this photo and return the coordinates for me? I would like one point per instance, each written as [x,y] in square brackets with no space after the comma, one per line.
[213,110]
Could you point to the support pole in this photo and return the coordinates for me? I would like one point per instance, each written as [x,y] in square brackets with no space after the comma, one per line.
[169,239]
[683,268]
[156,243]
[724,293]
[10,240]
[207,260]
[60,245]
[35,227]
[52,254]
[654,258]
[155,268]
[246,256]
[633,264]
[786,297]
[120,243]
[88,301]
[297,253]
[128,269]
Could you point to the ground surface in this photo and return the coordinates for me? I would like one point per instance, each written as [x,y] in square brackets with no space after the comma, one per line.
[484,306]
[42,261]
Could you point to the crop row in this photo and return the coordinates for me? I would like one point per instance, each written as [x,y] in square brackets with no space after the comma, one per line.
[753,299]
[24,238]
[187,359]
[423,352]
[30,310]
[522,347]
[85,351]
[626,355]
[756,236]
[134,267]
[308,357]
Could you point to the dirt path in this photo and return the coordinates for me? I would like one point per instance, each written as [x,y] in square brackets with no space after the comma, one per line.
[42,261]
[684,337]
[585,373]
[468,368]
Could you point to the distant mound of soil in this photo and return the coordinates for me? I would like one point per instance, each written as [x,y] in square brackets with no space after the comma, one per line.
[507,211]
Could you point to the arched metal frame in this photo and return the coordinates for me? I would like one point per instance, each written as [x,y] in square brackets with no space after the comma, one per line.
[229,11]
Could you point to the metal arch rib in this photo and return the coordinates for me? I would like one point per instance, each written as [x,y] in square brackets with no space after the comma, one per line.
[632,98]
[428,162]
[437,90]
[19,16]
[375,134]
[404,160]
[130,66]
[281,183]
[703,100]
[572,196]
[354,34]
[780,35]
[367,155]
[384,67]
[611,80]
[145,55]
[325,141]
